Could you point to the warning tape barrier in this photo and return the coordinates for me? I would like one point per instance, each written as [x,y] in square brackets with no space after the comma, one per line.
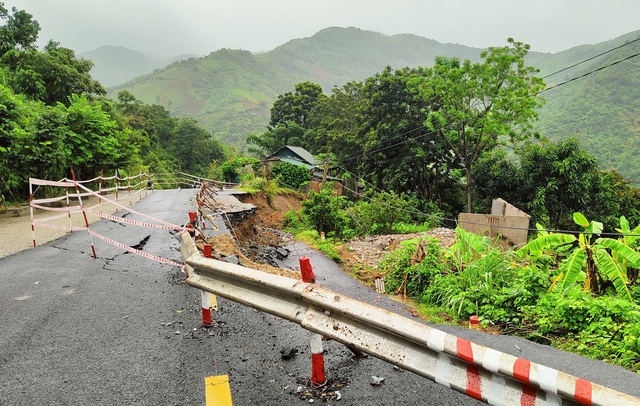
[51,218]
[174,227]
[133,189]
[131,221]
[483,373]
[60,227]
[135,251]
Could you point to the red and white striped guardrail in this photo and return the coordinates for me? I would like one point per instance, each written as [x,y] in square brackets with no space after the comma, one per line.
[485,374]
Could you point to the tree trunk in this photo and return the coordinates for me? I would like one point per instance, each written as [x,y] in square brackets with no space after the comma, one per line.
[468,171]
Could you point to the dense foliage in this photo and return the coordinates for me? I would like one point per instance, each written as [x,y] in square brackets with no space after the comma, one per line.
[53,119]
[545,297]
[478,103]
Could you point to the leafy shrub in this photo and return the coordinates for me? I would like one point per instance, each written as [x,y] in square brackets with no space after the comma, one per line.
[324,211]
[231,168]
[291,176]
[293,220]
[412,266]
[312,238]
[603,327]
[473,287]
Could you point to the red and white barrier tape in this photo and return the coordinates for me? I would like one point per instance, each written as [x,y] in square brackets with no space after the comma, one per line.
[60,227]
[42,182]
[72,209]
[175,227]
[50,199]
[135,251]
[51,218]
[129,221]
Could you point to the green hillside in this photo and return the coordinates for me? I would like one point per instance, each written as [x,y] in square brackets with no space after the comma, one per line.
[113,65]
[600,109]
[230,92]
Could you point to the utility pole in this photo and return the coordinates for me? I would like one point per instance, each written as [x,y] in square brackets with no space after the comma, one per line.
[326,169]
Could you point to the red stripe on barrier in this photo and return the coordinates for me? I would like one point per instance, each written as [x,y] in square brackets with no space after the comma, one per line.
[529,394]
[207,320]
[521,370]
[474,382]
[306,270]
[464,350]
[317,368]
[583,392]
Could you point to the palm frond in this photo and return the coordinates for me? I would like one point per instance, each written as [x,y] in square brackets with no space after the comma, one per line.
[613,272]
[571,270]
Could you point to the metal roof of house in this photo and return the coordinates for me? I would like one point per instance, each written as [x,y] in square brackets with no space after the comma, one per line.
[297,162]
[303,155]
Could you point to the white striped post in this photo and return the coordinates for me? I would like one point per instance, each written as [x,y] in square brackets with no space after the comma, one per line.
[209,302]
[317,352]
[33,227]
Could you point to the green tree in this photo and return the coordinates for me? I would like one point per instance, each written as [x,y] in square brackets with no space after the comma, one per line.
[480,104]
[93,140]
[335,124]
[290,175]
[284,133]
[296,106]
[194,148]
[324,211]
[400,153]
[20,30]
[558,180]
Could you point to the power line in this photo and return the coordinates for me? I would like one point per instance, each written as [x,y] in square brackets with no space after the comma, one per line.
[592,58]
[589,73]
[454,221]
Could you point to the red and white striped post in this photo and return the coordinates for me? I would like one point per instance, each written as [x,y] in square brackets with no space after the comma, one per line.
[33,227]
[317,352]
[208,300]
[84,213]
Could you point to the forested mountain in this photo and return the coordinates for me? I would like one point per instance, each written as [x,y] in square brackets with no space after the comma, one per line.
[600,109]
[230,92]
[113,65]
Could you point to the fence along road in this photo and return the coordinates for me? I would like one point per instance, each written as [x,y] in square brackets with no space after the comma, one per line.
[480,372]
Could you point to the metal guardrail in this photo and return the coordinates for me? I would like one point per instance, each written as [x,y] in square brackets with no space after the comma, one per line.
[480,372]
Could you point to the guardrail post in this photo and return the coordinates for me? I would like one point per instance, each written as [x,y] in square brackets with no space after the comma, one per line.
[306,270]
[317,352]
[209,302]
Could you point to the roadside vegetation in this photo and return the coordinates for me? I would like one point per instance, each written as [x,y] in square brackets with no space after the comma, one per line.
[576,291]
[413,148]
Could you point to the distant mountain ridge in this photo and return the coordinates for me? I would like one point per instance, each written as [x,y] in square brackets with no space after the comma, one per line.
[230,92]
[114,65]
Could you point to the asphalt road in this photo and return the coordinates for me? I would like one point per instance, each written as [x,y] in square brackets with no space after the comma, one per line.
[124,330]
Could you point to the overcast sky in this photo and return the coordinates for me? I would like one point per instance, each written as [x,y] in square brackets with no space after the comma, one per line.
[166,28]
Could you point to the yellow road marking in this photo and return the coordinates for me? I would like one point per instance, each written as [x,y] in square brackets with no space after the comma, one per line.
[217,391]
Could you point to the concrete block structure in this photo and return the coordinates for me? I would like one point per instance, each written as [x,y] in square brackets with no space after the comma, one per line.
[507,225]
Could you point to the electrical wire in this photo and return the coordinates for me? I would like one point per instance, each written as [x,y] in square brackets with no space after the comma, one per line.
[454,221]
[591,58]
[588,73]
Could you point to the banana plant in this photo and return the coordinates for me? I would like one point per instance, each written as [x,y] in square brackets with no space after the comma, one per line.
[590,259]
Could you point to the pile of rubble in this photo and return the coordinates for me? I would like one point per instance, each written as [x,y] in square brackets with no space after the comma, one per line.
[371,249]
